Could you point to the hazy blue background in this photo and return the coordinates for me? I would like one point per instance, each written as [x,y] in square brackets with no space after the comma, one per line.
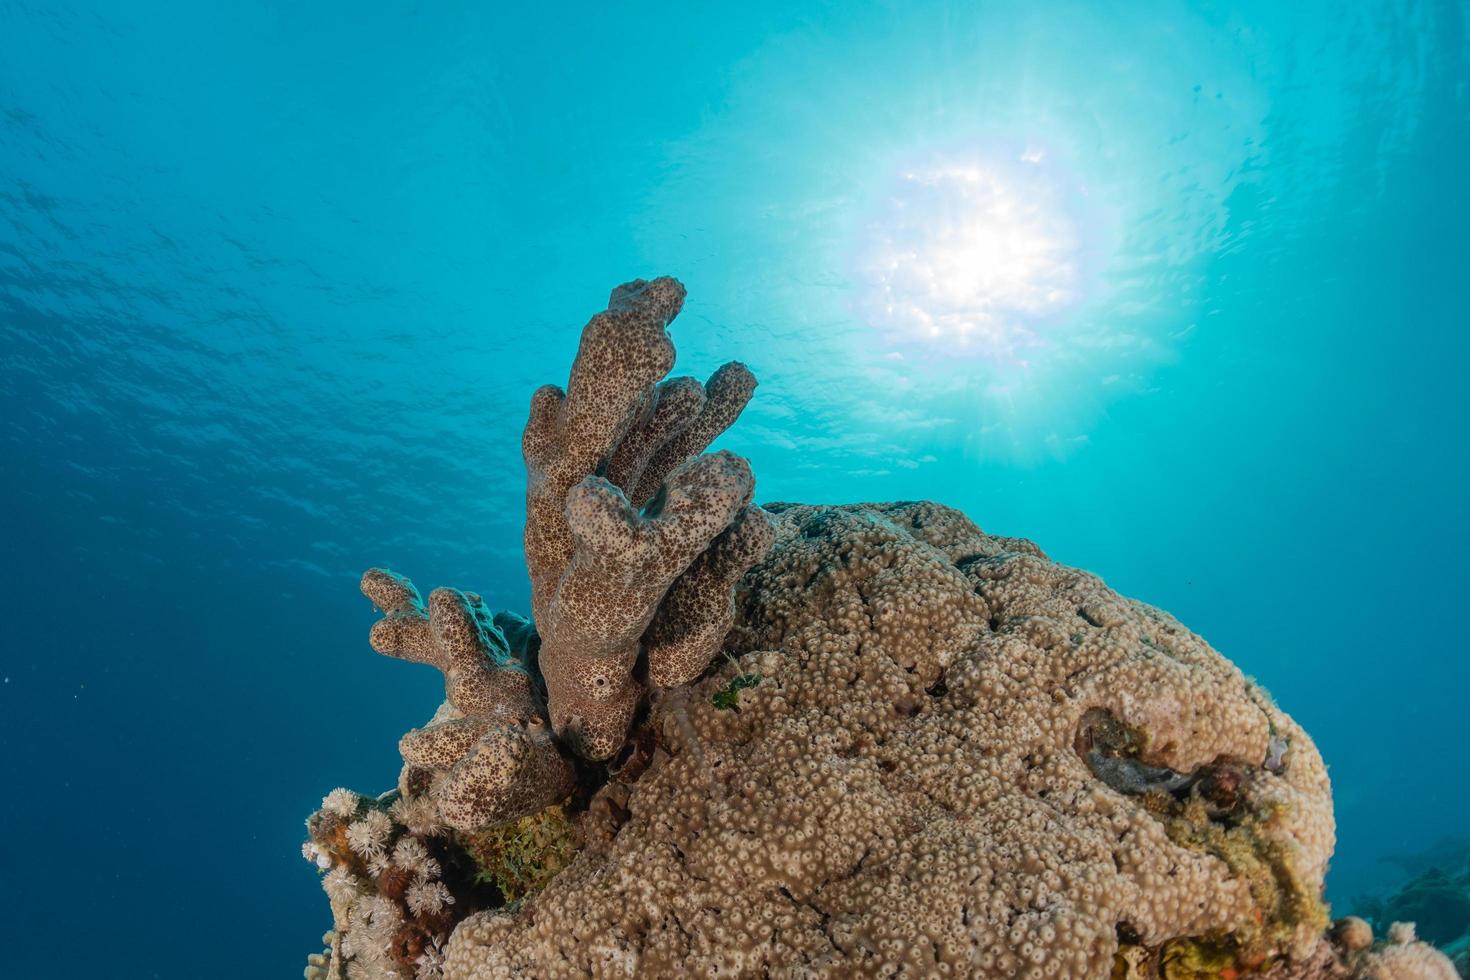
[276,285]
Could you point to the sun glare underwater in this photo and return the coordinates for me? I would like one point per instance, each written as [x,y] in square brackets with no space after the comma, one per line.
[976,259]
[1175,290]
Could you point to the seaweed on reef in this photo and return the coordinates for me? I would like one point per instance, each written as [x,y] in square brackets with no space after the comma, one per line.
[1200,958]
[1212,957]
[1209,810]
[519,858]
[1286,906]
[728,698]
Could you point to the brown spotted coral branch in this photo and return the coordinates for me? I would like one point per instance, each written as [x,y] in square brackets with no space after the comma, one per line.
[628,527]
[699,609]
[488,756]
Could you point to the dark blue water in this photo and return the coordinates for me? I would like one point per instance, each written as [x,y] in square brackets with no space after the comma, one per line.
[1178,291]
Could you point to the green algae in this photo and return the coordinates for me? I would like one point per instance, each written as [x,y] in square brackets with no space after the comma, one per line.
[728,699]
[1212,957]
[1285,905]
[519,858]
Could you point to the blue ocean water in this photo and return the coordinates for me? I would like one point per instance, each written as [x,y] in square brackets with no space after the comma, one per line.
[1176,290]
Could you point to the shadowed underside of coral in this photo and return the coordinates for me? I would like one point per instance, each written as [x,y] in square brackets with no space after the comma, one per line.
[927,751]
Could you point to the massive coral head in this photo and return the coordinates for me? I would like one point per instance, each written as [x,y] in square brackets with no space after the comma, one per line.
[935,752]
[629,529]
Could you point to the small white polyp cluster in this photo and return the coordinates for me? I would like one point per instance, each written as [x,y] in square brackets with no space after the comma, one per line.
[412,856]
[316,855]
[428,897]
[368,837]
[342,802]
[419,814]
[389,904]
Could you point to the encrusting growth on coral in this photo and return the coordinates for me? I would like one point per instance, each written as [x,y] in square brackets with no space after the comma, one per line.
[519,858]
[928,751]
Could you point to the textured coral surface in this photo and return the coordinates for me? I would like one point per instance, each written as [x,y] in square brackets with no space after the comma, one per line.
[628,527]
[487,755]
[947,755]
[926,751]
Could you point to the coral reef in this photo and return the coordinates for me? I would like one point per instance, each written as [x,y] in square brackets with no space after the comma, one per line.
[927,750]
[1448,851]
[1349,952]
[634,542]
[1436,900]
[1438,905]
[906,789]
[1403,957]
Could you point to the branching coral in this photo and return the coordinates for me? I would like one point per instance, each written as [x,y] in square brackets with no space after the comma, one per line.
[488,755]
[623,515]
[634,543]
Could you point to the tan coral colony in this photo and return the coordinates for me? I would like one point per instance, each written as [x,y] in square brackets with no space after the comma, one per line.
[802,741]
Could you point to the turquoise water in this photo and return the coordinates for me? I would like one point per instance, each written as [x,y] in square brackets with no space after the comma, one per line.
[1176,290]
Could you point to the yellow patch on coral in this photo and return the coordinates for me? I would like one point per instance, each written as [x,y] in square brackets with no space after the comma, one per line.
[1131,962]
[520,857]
[1284,903]
[1199,958]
